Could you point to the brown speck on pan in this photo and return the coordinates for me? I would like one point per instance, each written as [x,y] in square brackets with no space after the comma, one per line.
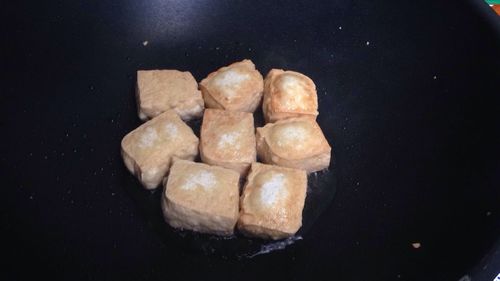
[416,245]
[496,8]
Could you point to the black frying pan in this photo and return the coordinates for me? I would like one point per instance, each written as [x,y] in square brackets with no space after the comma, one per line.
[409,100]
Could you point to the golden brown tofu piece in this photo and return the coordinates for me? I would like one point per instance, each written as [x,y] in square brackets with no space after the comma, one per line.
[289,94]
[227,139]
[161,90]
[272,201]
[148,150]
[237,87]
[201,197]
[295,143]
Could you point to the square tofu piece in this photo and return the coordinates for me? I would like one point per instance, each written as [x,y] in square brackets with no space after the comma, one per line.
[228,139]
[202,198]
[161,90]
[289,94]
[148,150]
[272,201]
[237,87]
[295,143]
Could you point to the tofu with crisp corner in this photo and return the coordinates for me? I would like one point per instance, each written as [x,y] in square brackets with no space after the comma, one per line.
[288,94]
[148,150]
[161,90]
[202,198]
[227,139]
[237,87]
[295,143]
[272,201]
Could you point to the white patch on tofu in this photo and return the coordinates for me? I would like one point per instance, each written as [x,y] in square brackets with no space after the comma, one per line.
[273,189]
[290,83]
[294,92]
[171,130]
[292,136]
[148,138]
[229,140]
[149,173]
[203,179]
[230,80]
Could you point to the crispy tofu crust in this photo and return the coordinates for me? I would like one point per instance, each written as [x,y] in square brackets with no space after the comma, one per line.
[228,139]
[237,87]
[148,150]
[272,201]
[288,94]
[161,90]
[295,143]
[201,197]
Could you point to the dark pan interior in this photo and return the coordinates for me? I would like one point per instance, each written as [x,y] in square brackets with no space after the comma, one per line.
[408,96]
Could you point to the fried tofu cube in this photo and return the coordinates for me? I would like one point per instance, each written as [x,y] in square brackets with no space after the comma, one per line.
[272,201]
[161,90]
[289,94]
[237,87]
[148,150]
[201,197]
[227,139]
[295,143]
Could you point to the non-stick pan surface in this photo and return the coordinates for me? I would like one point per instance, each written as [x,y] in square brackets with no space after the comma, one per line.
[408,96]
